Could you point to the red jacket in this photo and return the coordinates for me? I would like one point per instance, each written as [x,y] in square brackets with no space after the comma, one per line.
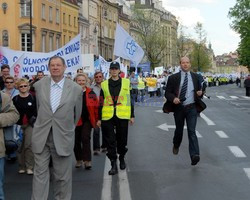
[92,106]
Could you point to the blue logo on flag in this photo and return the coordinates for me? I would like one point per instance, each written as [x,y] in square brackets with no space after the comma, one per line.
[3,60]
[131,47]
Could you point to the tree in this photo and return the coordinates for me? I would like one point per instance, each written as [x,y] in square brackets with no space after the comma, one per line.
[200,55]
[184,43]
[151,35]
[240,15]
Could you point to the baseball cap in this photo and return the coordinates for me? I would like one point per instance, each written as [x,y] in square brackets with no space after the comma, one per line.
[114,65]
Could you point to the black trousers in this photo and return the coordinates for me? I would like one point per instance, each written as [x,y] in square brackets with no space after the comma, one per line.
[82,148]
[248,91]
[115,132]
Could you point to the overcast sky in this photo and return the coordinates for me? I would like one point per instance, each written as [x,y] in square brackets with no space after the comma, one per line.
[213,15]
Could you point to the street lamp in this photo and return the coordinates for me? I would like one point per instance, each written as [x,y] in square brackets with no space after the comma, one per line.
[22,2]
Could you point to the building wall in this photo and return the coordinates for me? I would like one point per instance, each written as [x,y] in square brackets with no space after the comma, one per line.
[40,25]
[69,18]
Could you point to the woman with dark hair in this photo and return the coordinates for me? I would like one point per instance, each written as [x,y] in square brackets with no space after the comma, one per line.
[88,121]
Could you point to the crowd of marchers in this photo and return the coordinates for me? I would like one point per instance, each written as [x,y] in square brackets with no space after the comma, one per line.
[53,118]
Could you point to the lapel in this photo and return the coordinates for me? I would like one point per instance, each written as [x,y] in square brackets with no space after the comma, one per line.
[194,78]
[65,93]
[46,90]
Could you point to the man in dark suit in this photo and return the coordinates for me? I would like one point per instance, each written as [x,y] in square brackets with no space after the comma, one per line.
[184,91]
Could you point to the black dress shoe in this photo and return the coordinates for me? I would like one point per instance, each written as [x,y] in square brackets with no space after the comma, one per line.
[175,150]
[122,163]
[114,169]
[195,159]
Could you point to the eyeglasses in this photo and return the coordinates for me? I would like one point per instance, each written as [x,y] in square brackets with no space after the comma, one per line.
[23,86]
[9,82]
[98,76]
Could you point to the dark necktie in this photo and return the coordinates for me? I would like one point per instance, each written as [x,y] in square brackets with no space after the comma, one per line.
[184,88]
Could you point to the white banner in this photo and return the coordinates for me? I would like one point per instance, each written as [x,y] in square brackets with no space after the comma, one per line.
[126,47]
[28,63]
[88,63]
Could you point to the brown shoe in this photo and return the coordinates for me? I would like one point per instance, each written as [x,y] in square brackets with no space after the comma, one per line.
[87,164]
[78,164]
[175,150]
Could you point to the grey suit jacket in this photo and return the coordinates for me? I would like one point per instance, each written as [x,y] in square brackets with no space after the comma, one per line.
[62,122]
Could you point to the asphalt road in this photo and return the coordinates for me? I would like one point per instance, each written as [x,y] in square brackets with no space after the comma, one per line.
[154,173]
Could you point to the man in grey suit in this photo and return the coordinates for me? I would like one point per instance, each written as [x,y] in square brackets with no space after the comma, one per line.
[59,106]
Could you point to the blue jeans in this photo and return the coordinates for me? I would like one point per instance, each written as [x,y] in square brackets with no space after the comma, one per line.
[1,178]
[189,114]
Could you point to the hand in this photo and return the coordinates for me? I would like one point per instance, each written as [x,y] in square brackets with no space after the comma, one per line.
[99,122]
[199,93]
[176,100]
[132,121]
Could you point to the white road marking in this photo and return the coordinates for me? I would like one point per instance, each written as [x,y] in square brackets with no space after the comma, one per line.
[107,182]
[245,97]
[237,151]
[198,134]
[221,134]
[124,190]
[247,171]
[207,120]
[159,111]
[205,97]
[165,127]
[234,97]
[221,97]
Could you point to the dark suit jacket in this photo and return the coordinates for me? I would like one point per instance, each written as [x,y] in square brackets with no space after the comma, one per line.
[173,88]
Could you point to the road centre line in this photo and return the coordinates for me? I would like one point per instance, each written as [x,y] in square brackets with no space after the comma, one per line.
[107,182]
[207,120]
[246,97]
[124,190]
[221,134]
[237,151]
[247,171]
[234,97]
[221,97]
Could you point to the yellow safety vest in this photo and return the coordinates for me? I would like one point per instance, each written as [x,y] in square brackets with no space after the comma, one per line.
[141,84]
[123,106]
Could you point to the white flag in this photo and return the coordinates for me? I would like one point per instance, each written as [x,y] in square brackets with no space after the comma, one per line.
[126,47]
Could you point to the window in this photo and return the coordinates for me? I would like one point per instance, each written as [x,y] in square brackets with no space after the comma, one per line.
[74,21]
[25,9]
[43,43]
[64,20]
[25,42]
[69,20]
[50,14]
[57,16]
[43,11]
[50,43]
[143,2]
[69,38]
[64,39]
[57,42]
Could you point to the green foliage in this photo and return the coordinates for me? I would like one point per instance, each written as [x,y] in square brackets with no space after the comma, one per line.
[200,54]
[200,60]
[240,15]
[151,37]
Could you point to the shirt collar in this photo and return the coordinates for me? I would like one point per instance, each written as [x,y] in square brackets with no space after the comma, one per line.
[183,73]
[60,83]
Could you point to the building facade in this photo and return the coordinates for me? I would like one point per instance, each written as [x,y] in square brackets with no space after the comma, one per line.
[46,25]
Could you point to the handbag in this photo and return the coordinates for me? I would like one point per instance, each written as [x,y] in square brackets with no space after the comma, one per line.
[200,106]
[168,107]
